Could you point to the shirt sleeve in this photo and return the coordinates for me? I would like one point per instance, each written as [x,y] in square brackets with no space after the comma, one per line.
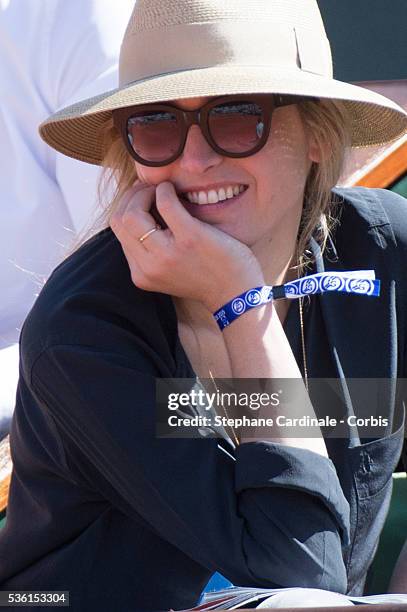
[272,516]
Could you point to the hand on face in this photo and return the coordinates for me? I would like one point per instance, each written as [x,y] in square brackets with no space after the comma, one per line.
[190,259]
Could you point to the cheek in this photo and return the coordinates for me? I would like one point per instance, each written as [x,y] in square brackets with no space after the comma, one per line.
[151,176]
[287,150]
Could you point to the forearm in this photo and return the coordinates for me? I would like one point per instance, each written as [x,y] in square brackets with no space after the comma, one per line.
[258,348]
[398,582]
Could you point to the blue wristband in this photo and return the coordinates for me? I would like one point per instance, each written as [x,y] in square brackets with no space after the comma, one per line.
[360,282]
[245,301]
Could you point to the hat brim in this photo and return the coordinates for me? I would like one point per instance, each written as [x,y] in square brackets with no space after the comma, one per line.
[75,130]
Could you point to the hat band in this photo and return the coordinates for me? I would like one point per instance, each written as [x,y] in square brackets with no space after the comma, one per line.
[203,45]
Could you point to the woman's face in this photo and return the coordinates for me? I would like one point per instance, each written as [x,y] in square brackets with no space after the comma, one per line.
[274,179]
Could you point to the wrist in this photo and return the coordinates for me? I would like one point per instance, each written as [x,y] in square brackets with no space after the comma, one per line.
[230,290]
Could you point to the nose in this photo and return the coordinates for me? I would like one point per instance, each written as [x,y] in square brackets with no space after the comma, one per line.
[198,156]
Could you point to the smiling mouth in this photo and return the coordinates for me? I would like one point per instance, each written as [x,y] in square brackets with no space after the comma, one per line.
[213,196]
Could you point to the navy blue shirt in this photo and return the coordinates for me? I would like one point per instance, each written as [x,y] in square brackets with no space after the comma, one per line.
[123,520]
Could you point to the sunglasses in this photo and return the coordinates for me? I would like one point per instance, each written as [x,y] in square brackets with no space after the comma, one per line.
[234,126]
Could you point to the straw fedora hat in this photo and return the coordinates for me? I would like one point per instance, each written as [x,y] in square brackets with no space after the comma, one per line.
[175,49]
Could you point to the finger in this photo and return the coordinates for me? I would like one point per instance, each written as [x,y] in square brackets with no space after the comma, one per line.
[131,214]
[172,211]
[134,240]
[134,225]
[138,197]
[132,220]
[125,199]
[151,240]
[138,219]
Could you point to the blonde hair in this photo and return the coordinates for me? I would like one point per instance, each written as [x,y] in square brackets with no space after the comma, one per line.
[328,123]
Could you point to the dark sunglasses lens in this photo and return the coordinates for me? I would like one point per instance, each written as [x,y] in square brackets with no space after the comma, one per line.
[155,135]
[236,127]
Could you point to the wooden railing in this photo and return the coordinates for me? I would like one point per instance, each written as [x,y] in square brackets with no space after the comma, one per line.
[5,472]
[383,169]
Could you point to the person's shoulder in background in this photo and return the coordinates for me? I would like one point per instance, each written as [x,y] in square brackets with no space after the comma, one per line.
[53,53]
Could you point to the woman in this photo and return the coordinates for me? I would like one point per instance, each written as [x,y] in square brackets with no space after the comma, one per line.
[228,117]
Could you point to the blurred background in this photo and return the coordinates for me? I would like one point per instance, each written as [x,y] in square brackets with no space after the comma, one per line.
[369,47]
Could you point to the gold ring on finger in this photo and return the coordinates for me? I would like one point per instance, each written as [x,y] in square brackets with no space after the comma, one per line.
[147,234]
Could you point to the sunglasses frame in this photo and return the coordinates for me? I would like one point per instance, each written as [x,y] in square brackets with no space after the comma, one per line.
[199,116]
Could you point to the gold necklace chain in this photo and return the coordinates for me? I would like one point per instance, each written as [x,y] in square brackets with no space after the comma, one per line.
[304,354]
[301,313]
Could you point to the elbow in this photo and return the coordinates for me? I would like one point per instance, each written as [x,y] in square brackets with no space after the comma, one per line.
[315,563]
[296,520]
[285,549]
[334,576]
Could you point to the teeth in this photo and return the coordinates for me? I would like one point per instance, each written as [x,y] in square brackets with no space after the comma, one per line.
[213,196]
[202,198]
[222,194]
